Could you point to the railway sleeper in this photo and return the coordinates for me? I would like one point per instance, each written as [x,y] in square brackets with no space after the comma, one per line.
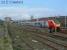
[52,42]
[64,43]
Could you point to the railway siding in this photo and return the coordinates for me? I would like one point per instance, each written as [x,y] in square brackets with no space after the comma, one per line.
[61,34]
[32,45]
[50,43]
[58,44]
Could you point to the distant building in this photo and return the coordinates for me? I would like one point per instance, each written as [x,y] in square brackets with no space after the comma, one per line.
[7,19]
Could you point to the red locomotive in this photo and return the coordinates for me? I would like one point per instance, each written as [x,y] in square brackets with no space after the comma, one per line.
[53,26]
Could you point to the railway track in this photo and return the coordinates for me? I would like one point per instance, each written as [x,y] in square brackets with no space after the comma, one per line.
[44,38]
[52,42]
[21,38]
[24,29]
[15,41]
[57,44]
[42,41]
[34,37]
[60,34]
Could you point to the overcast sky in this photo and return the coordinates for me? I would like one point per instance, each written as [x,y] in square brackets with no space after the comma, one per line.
[37,8]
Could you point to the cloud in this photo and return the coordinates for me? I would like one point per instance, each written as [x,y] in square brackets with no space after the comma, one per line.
[25,13]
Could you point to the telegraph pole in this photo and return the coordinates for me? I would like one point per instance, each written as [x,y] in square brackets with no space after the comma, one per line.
[65,21]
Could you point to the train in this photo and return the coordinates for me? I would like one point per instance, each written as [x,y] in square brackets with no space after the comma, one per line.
[52,25]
